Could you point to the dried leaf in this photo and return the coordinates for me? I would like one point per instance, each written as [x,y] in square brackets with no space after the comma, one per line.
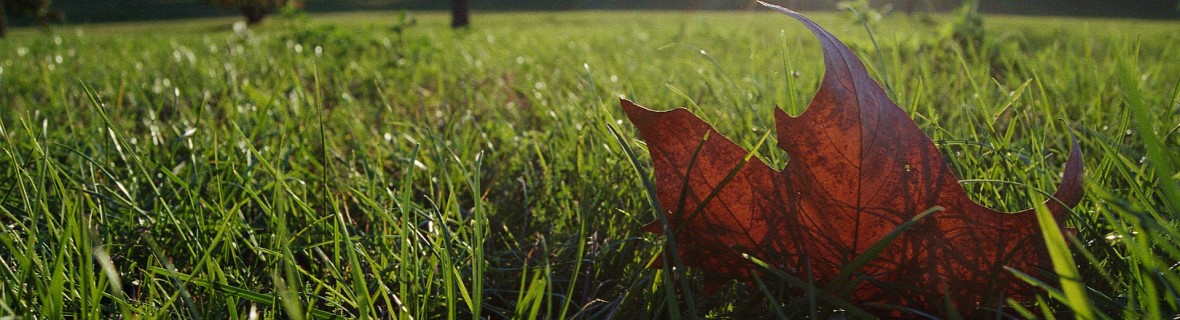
[859,167]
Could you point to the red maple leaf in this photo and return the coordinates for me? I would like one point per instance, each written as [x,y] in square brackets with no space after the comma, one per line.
[859,168]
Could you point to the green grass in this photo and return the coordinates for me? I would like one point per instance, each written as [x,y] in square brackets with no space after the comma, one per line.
[180,169]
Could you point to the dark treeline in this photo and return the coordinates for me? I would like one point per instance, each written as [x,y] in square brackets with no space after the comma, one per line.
[1096,8]
[125,10]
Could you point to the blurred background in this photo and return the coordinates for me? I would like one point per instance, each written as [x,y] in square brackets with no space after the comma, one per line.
[25,12]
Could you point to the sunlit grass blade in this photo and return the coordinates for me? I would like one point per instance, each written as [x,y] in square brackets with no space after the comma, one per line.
[1073,289]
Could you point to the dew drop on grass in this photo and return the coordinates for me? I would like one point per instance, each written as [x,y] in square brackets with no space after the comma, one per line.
[1113,238]
[298,48]
[491,38]
[157,138]
[614,78]
[319,51]
[22,51]
[57,59]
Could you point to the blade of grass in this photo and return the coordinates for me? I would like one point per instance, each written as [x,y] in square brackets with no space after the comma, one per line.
[1161,160]
[1073,289]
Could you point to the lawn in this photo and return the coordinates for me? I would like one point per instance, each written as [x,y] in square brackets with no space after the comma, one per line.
[381,165]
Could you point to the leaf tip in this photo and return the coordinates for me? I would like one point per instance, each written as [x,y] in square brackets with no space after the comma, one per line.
[1070,192]
[630,108]
[776,7]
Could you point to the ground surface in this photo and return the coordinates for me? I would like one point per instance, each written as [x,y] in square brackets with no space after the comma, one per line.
[359,164]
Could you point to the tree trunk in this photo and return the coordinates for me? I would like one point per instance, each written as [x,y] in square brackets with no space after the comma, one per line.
[3,20]
[254,13]
[460,14]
